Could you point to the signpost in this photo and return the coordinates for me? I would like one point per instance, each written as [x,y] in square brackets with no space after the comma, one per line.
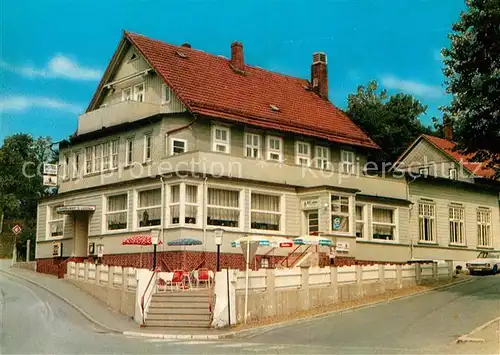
[249,249]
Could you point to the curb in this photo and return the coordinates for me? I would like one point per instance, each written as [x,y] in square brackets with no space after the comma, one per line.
[77,308]
[248,333]
[175,336]
[467,337]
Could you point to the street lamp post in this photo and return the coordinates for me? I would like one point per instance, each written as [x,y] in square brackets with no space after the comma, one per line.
[155,234]
[218,234]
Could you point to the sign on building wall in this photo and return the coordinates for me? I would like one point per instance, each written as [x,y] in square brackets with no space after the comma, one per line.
[57,249]
[50,175]
[306,204]
[342,246]
[17,229]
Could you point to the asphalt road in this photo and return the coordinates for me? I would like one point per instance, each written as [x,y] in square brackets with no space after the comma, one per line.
[34,321]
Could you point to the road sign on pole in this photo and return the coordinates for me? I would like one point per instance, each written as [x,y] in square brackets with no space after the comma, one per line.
[17,229]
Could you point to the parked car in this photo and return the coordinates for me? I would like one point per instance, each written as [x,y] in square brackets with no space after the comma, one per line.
[487,261]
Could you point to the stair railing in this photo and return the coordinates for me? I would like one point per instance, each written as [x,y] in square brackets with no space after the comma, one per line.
[300,256]
[143,303]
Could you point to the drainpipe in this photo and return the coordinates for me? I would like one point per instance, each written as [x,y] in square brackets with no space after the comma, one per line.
[162,210]
[409,218]
[204,207]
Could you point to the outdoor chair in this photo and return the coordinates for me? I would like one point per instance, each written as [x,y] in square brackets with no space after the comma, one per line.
[203,276]
[177,281]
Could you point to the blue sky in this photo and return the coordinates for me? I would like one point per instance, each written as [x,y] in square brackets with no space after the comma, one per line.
[53,51]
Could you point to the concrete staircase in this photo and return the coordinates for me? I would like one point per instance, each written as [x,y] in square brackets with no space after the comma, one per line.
[186,309]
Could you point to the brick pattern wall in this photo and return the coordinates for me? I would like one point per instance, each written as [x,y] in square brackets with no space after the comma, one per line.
[55,266]
[187,260]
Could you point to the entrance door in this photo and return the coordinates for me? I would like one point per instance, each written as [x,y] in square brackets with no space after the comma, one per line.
[81,234]
[312,222]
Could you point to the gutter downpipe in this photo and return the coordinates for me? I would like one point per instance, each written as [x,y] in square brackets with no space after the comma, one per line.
[410,210]
[162,210]
[205,215]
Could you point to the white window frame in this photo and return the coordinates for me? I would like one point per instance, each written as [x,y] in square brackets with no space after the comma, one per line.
[253,147]
[456,225]
[164,99]
[76,164]
[98,158]
[173,140]
[136,92]
[137,208]
[280,213]
[424,171]
[350,214]
[271,151]
[106,156]
[347,162]
[114,155]
[183,203]
[51,220]
[127,94]
[422,216]
[220,142]
[452,173]
[89,168]
[301,158]
[129,151]
[394,224]
[145,158]
[65,164]
[106,213]
[483,220]
[364,220]
[171,204]
[239,208]
[321,161]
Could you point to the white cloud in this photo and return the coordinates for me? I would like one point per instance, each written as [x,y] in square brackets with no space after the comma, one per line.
[24,103]
[412,87]
[59,66]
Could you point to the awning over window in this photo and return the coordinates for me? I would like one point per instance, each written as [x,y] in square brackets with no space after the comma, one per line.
[76,208]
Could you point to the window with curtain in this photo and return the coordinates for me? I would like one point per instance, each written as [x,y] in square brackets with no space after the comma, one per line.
[89,160]
[149,208]
[426,221]
[340,213]
[105,156]
[98,158]
[360,221]
[117,212]
[484,229]
[383,223]
[457,225]
[114,154]
[191,204]
[223,208]
[56,222]
[175,204]
[265,212]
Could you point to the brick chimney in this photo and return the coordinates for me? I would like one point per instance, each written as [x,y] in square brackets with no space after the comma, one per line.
[448,129]
[237,60]
[319,77]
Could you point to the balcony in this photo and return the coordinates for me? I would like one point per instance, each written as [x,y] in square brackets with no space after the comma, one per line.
[115,114]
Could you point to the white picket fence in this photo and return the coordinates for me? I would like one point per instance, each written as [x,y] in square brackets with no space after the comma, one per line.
[293,278]
[111,276]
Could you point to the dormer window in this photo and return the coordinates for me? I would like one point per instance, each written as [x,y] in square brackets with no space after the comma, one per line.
[220,139]
[166,94]
[303,153]
[274,148]
[453,174]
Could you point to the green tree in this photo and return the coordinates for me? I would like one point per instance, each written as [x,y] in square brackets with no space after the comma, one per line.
[472,67]
[21,182]
[391,121]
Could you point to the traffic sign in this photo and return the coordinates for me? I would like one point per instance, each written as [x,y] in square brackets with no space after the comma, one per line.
[17,229]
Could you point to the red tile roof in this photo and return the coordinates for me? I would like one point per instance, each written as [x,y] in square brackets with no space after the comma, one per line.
[207,85]
[477,168]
